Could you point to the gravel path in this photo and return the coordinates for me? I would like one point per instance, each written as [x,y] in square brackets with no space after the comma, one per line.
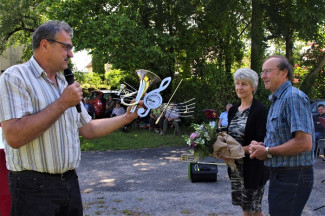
[153,182]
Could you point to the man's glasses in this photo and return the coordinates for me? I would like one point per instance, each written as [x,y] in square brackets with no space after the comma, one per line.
[267,71]
[67,47]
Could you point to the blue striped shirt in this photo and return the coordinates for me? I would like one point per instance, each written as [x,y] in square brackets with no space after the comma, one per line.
[288,114]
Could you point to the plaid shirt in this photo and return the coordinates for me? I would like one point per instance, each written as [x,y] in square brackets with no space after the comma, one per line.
[26,90]
[289,113]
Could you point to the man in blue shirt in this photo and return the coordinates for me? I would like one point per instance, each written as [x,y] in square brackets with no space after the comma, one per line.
[223,119]
[289,143]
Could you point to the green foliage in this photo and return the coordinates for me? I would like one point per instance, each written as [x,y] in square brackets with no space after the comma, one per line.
[318,90]
[98,65]
[111,80]
[161,36]
[201,40]
[90,81]
[300,74]
[115,77]
[288,19]
[313,59]
[18,20]
[212,91]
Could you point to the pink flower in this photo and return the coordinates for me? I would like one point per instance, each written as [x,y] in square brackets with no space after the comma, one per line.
[194,135]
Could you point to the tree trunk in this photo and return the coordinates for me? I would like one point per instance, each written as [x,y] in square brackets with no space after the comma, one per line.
[289,47]
[257,51]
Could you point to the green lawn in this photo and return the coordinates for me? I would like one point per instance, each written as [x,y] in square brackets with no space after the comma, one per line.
[134,139]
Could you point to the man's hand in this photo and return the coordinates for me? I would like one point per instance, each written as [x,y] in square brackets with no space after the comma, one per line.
[257,150]
[131,116]
[72,95]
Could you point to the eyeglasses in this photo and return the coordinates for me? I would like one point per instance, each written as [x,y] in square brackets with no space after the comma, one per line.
[67,47]
[267,71]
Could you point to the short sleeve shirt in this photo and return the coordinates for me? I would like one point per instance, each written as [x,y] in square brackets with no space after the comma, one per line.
[26,90]
[288,114]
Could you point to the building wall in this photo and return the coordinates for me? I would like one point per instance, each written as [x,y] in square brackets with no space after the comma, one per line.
[10,57]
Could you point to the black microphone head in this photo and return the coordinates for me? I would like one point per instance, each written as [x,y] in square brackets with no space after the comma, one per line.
[68,76]
[67,72]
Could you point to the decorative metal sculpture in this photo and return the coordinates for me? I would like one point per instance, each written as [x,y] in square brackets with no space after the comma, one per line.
[152,99]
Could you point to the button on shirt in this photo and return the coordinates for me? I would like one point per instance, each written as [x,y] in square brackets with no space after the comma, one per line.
[26,90]
[288,113]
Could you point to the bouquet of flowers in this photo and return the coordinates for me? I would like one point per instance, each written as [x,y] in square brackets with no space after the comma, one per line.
[211,113]
[201,141]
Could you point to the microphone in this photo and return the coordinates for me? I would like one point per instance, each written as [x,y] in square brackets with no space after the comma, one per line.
[70,79]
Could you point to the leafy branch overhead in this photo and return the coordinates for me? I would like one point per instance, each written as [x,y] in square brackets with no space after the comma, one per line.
[202,42]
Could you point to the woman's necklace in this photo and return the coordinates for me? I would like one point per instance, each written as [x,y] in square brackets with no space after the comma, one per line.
[241,107]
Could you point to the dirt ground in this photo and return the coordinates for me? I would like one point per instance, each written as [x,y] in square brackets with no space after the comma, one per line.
[155,182]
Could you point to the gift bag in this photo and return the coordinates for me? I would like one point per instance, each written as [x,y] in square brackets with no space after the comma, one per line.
[200,172]
[228,147]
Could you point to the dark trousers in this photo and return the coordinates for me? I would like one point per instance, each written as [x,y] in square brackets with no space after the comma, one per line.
[153,124]
[289,190]
[34,193]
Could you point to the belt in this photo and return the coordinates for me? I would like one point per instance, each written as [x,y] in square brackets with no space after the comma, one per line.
[275,169]
[62,176]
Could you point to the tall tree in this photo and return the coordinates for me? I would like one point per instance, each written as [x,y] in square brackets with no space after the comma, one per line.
[18,21]
[289,19]
[257,36]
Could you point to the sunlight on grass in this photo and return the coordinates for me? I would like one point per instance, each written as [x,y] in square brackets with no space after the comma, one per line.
[134,139]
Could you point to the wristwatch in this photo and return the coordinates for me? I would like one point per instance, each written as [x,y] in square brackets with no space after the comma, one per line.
[268,155]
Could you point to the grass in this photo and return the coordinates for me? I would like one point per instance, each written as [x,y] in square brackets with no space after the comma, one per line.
[134,139]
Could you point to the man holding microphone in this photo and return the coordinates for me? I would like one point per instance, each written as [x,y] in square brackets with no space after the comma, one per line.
[41,127]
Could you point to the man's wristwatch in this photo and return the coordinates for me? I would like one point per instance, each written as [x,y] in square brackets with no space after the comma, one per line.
[268,155]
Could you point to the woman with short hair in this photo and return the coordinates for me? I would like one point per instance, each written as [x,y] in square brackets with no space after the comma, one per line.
[247,122]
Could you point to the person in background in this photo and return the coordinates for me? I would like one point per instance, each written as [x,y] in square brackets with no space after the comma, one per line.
[223,119]
[288,148]
[171,117]
[154,115]
[118,109]
[110,105]
[89,107]
[247,122]
[41,127]
[319,129]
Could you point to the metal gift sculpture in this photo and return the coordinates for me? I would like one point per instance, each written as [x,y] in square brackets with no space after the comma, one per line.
[152,99]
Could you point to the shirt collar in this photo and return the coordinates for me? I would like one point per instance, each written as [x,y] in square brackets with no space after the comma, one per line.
[38,70]
[277,94]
